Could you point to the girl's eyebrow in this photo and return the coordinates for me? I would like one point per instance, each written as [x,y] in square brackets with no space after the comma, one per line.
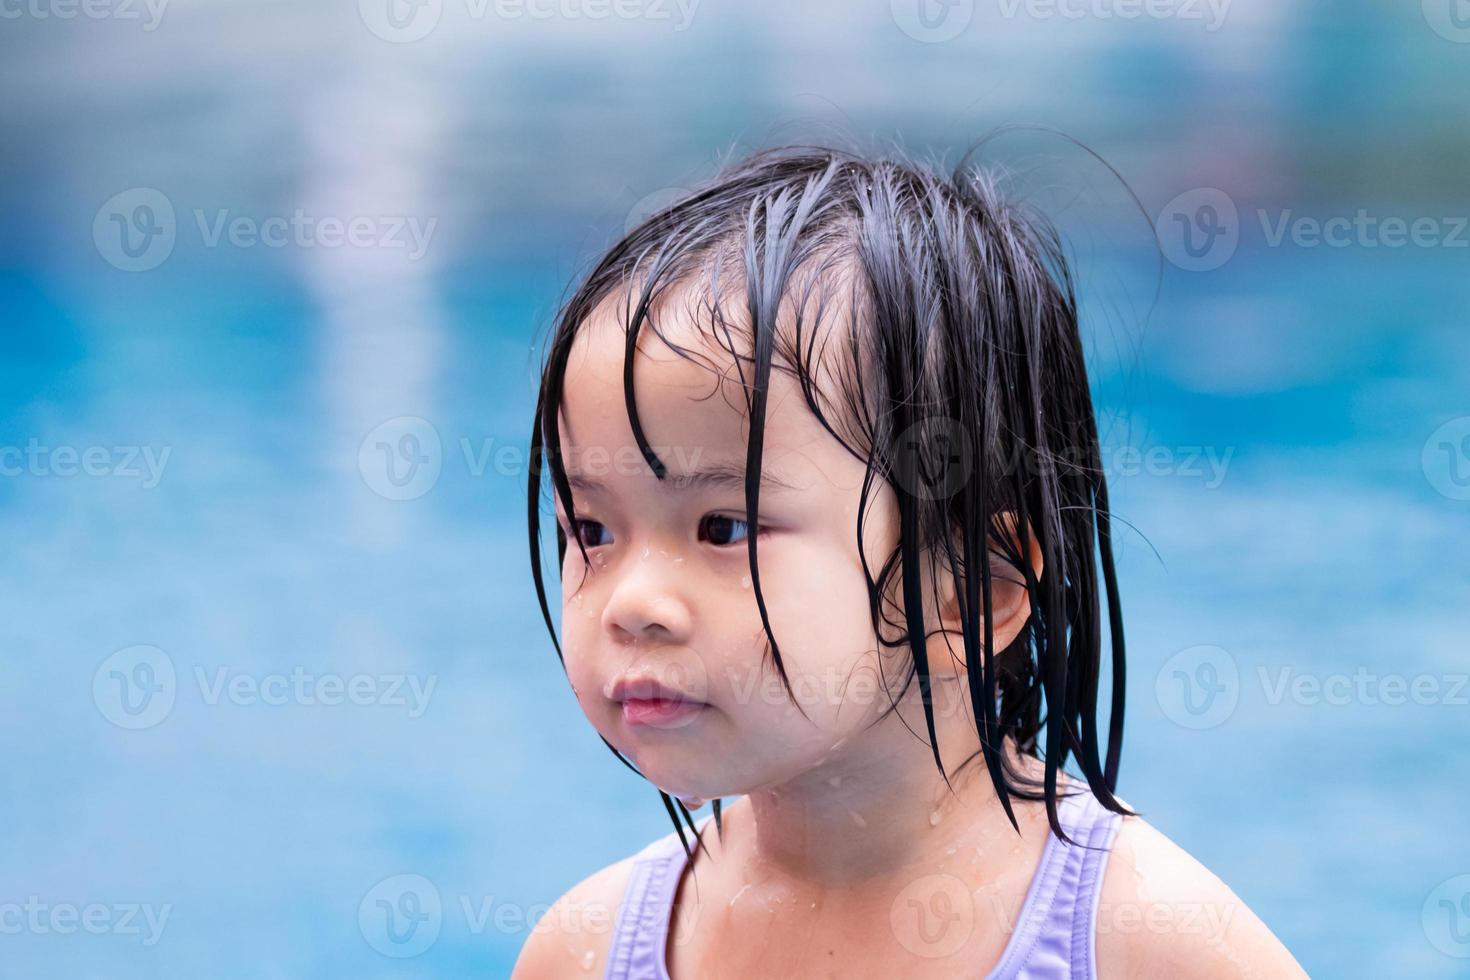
[719,476]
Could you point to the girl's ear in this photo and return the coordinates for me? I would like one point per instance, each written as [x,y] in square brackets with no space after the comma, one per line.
[1010,604]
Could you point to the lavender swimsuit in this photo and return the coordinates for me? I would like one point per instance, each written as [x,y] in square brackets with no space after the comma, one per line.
[1053,938]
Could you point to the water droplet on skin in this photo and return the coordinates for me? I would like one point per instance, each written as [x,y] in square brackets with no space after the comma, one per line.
[857,818]
[934,819]
[835,781]
[745,581]
[588,958]
[951,850]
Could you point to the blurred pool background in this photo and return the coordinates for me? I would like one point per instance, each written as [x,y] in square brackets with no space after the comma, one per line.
[211,515]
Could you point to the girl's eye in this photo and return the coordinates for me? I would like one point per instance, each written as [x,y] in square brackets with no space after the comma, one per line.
[720,529]
[596,529]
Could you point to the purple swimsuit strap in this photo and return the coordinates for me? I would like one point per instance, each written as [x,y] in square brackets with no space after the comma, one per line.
[642,930]
[1055,932]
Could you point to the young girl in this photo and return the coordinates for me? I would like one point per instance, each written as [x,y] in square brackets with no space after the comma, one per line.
[822,439]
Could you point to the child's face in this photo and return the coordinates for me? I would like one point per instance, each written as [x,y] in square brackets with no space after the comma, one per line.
[670,599]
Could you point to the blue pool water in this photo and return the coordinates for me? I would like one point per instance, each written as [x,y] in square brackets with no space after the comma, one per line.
[201,538]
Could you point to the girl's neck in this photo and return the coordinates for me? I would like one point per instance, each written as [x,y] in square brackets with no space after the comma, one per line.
[878,807]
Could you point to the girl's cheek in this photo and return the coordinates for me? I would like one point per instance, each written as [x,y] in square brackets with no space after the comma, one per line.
[575,601]
[580,621]
[586,685]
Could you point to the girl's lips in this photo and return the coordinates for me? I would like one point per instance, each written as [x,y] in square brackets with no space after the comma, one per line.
[661,712]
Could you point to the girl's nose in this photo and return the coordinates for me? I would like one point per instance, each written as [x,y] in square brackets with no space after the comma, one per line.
[648,600]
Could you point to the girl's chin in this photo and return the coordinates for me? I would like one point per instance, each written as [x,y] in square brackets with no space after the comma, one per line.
[683,779]
[679,782]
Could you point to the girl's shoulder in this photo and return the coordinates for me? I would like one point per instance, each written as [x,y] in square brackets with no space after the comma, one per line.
[1161,913]
[574,935]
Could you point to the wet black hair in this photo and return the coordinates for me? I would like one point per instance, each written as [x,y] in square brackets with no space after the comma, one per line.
[960,382]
